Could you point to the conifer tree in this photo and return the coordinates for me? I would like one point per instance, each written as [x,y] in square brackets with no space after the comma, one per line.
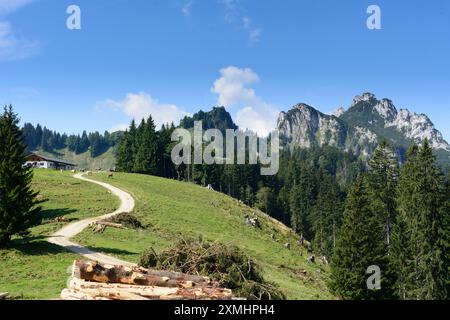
[418,244]
[382,180]
[360,245]
[19,208]
[146,157]
[126,149]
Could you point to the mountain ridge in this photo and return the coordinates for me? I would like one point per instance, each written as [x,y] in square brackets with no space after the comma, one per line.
[360,128]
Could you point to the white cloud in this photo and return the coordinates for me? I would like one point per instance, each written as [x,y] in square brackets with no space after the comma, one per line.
[140,105]
[255,35]
[234,15]
[8,6]
[233,92]
[13,47]
[186,9]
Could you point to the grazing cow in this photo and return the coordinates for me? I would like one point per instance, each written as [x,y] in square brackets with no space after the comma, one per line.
[209,187]
[324,260]
[287,246]
[252,222]
[89,173]
[312,259]
[73,171]
[110,175]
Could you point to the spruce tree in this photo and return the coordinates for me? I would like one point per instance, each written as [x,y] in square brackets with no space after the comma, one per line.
[382,179]
[360,245]
[19,208]
[126,150]
[418,242]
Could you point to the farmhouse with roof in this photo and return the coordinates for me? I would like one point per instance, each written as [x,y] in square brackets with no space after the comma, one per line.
[37,161]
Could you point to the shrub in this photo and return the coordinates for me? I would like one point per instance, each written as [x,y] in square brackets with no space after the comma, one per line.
[228,266]
[128,220]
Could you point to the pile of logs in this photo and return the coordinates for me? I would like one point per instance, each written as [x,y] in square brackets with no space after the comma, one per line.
[94,281]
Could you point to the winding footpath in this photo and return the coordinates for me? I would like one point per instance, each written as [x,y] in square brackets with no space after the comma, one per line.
[63,236]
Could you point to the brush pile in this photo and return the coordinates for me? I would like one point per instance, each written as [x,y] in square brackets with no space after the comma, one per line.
[228,266]
[94,281]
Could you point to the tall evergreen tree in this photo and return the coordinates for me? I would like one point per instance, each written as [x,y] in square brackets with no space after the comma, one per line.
[382,179]
[326,215]
[126,149]
[18,204]
[146,157]
[360,245]
[418,247]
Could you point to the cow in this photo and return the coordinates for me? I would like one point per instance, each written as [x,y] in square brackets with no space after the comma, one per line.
[110,175]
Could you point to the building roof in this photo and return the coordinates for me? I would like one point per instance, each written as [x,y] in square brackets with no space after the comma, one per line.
[60,161]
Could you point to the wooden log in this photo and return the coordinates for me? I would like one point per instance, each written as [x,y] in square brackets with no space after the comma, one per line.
[132,292]
[4,295]
[92,271]
[68,294]
[110,224]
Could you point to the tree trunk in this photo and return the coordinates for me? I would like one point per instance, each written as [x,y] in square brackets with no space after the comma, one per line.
[133,292]
[92,271]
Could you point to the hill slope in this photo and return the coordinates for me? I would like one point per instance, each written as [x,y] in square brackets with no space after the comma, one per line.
[175,209]
[34,268]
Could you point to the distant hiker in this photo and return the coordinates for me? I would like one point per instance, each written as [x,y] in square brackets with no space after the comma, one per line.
[209,187]
[287,246]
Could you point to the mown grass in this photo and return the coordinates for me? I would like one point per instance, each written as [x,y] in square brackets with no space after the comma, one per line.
[174,209]
[32,268]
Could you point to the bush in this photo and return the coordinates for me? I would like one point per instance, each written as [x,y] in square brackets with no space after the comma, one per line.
[128,220]
[228,266]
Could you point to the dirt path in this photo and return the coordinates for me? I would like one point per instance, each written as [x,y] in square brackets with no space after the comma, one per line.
[63,236]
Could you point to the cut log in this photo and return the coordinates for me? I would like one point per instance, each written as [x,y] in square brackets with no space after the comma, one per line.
[68,294]
[133,292]
[100,226]
[92,271]
[4,295]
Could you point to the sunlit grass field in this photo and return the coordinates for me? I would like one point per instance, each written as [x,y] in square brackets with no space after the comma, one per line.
[32,268]
[173,209]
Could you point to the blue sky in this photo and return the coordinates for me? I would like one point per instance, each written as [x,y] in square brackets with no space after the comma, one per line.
[171,58]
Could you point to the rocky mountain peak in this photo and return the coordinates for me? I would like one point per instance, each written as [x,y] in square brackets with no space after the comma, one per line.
[386,109]
[367,96]
[338,112]
[360,128]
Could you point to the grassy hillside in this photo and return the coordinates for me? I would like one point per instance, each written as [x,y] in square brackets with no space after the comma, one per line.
[174,209]
[34,269]
[84,160]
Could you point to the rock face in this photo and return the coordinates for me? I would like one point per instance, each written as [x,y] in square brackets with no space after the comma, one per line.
[360,128]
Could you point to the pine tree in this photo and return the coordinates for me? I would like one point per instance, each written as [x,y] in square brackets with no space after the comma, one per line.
[146,157]
[326,215]
[382,179]
[418,244]
[18,204]
[360,245]
[126,149]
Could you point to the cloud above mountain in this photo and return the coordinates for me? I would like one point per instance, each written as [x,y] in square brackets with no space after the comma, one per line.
[234,92]
[141,105]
